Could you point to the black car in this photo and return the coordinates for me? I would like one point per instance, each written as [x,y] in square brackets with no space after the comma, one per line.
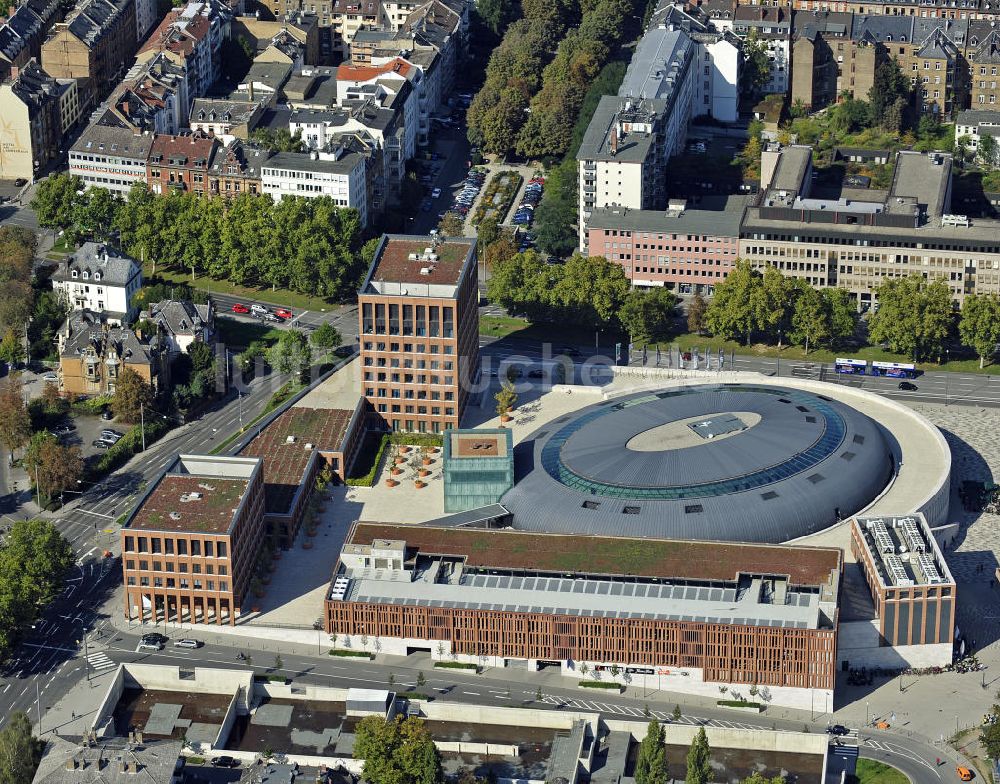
[155,637]
[107,414]
[907,386]
[20,182]
[837,729]
[225,762]
[569,351]
[101,444]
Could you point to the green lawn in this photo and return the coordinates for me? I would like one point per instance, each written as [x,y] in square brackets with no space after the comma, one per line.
[281,297]
[62,245]
[240,334]
[874,772]
[509,326]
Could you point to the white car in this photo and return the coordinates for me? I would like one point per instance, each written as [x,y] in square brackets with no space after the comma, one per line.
[50,377]
[436,193]
[187,643]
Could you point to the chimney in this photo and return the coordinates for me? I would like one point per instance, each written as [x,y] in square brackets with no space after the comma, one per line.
[14,71]
[71,763]
[250,90]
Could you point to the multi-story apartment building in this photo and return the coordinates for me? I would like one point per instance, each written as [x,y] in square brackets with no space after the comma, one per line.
[95,47]
[923,9]
[181,163]
[100,279]
[820,40]
[32,126]
[190,546]
[339,174]
[22,33]
[192,37]
[93,354]
[983,58]
[151,98]
[301,26]
[912,590]
[687,249]
[514,598]
[70,111]
[226,119]
[771,25]
[235,169]
[418,314]
[865,236]
[681,69]
[394,83]
[110,158]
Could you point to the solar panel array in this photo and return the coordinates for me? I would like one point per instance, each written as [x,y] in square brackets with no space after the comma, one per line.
[580,612]
[601,587]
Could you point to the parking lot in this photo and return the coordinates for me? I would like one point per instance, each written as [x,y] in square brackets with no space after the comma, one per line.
[446,172]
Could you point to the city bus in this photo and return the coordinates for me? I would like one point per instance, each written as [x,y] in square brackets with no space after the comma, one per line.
[894,369]
[857,367]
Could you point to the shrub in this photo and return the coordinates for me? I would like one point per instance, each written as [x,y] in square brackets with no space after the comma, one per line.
[367,480]
[127,446]
[90,406]
[277,679]
[416,695]
[417,439]
[601,685]
[351,654]
[193,760]
[506,183]
[452,665]
[739,704]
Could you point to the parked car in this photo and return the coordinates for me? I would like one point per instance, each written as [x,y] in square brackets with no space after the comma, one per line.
[20,182]
[283,313]
[156,636]
[107,415]
[50,377]
[240,308]
[101,444]
[149,646]
[964,773]
[112,433]
[258,310]
[225,761]
[187,643]
[436,193]
[269,316]
[837,729]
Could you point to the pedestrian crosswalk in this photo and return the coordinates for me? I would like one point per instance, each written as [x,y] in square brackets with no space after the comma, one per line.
[100,661]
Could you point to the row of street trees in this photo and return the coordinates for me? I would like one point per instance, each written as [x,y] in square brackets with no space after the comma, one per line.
[310,246]
[651,763]
[588,292]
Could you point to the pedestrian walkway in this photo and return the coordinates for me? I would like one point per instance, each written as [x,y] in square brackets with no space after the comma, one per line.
[100,661]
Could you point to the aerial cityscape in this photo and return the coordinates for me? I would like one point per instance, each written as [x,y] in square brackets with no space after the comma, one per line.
[499,391]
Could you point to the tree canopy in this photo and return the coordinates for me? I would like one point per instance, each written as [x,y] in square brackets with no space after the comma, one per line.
[15,422]
[20,751]
[399,751]
[913,316]
[648,316]
[52,467]
[699,768]
[979,325]
[132,394]
[651,763]
[291,354]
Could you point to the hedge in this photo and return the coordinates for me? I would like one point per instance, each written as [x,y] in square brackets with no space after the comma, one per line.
[350,654]
[417,439]
[416,695]
[91,406]
[127,446]
[369,479]
[739,704]
[601,685]
[457,665]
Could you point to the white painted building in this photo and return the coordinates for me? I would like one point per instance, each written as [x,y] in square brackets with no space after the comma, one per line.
[339,174]
[110,158]
[974,123]
[100,279]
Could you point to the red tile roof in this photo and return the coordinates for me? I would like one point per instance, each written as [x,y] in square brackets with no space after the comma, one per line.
[179,39]
[191,147]
[365,73]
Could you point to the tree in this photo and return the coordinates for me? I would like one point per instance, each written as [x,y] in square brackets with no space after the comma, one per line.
[771,303]
[647,316]
[56,199]
[699,768]
[452,225]
[696,314]
[506,398]
[889,95]
[989,737]
[51,466]
[914,316]
[132,395]
[651,763]
[278,663]
[421,680]
[291,354]
[810,319]
[94,214]
[20,751]
[979,325]
[11,348]
[676,715]
[556,215]
[15,422]
[49,313]
[400,751]
[987,150]
[731,312]
[756,64]
[280,140]
[487,232]
[326,337]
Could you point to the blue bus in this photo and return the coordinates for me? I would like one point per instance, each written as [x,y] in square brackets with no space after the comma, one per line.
[857,367]
[894,369]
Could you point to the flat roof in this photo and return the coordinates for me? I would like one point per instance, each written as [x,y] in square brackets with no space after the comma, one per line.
[924,177]
[435,580]
[191,504]
[660,558]
[285,461]
[715,216]
[432,266]
[904,550]
[633,147]
[473,445]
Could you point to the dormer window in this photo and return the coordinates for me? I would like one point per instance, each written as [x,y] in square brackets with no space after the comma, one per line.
[75,274]
[97,276]
[86,275]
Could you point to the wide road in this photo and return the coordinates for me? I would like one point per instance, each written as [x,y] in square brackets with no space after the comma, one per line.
[947,388]
[45,665]
[506,687]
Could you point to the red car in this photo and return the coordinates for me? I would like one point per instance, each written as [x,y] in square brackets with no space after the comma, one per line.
[238,308]
[283,313]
